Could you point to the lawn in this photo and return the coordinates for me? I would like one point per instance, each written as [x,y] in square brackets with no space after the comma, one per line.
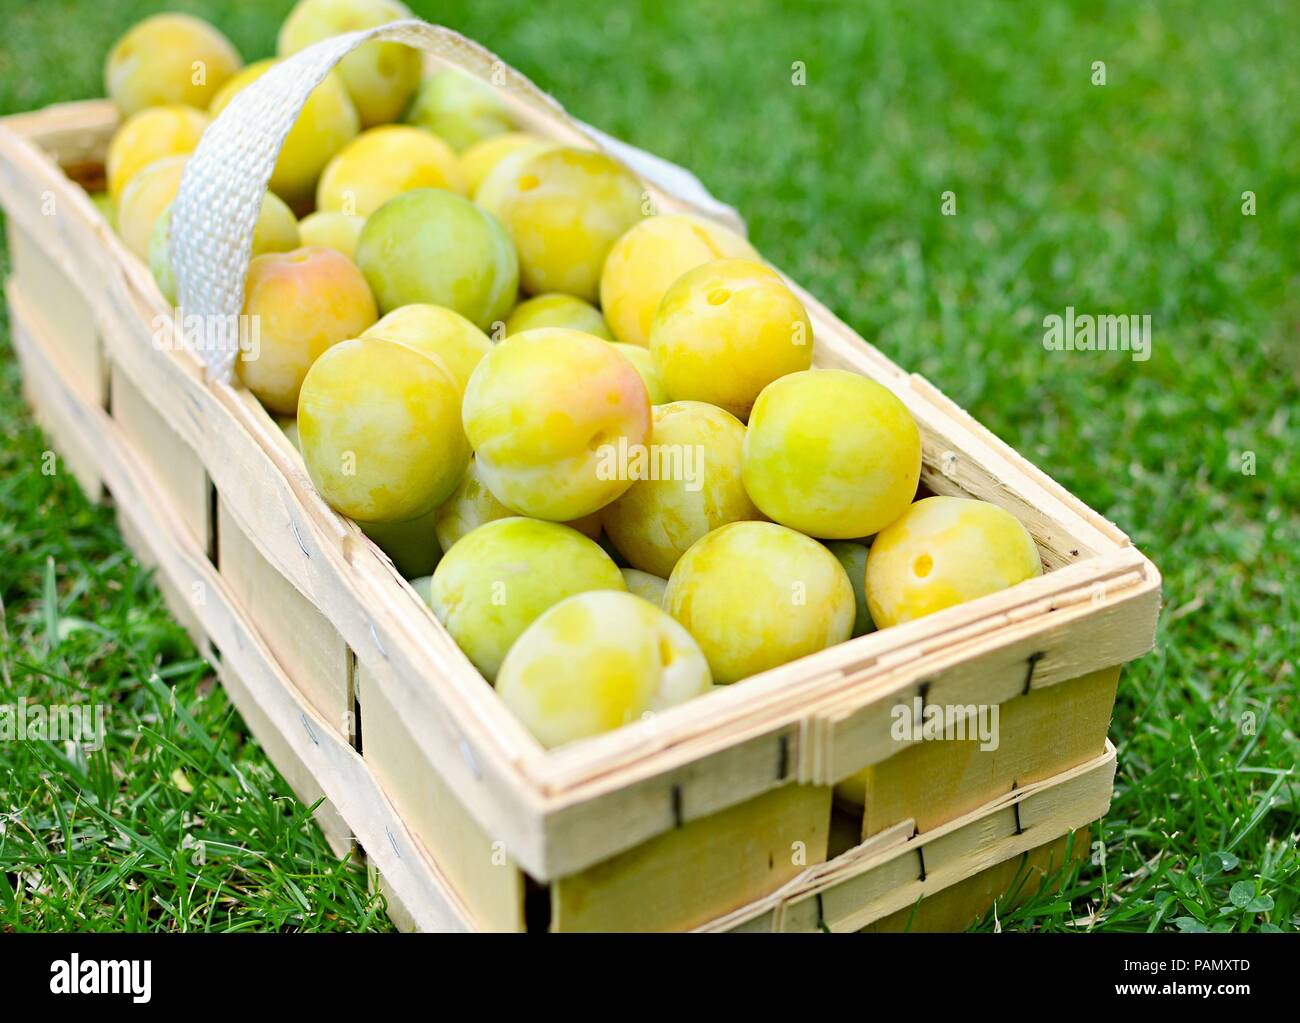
[1124,197]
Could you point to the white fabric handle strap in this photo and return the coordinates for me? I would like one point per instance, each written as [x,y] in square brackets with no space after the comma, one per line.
[225,179]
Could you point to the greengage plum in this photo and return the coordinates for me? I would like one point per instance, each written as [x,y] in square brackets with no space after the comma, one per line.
[328,122]
[410,544]
[564,209]
[726,330]
[832,454]
[756,595]
[692,487]
[304,301]
[381,78]
[496,580]
[478,161]
[647,259]
[385,162]
[168,59]
[145,199]
[547,412]
[444,332]
[597,661]
[380,429]
[433,246]
[557,310]
[853,556]
[944,551]
[472,504]
[150,135]
[336,231]
[460,108]
[644,585]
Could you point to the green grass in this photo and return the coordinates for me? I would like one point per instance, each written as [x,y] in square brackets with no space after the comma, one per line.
[1121,198]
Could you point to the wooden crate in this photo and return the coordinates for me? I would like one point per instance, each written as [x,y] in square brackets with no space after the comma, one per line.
[586,835]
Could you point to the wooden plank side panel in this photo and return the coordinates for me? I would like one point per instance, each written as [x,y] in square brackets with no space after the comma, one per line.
[55,213]
[306,645]
[894,869]
[58,303]
[477,864]
[76,452]
[173,464]
[1038,735]
[180,605]
[702,870]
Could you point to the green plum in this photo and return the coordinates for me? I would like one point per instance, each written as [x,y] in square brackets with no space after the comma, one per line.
[433,246]
[459,108]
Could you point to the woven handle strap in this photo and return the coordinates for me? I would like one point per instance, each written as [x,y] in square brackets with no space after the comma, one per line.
[226,178]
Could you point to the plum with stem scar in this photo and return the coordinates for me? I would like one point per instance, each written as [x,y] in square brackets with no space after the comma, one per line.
[726,330]
[944,551]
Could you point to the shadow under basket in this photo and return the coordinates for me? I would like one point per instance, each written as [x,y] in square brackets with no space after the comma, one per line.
[720,814]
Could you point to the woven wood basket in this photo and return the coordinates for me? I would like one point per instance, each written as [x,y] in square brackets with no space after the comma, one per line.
[717,814]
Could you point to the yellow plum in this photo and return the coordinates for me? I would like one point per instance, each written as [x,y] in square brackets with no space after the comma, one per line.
[380,77]
[564,209]
[168,59]
[382,163]
[726,330]
[832,454]
[549,412]
[944,551]
[379,425]
[756,595]
[689,487]
[597,661]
